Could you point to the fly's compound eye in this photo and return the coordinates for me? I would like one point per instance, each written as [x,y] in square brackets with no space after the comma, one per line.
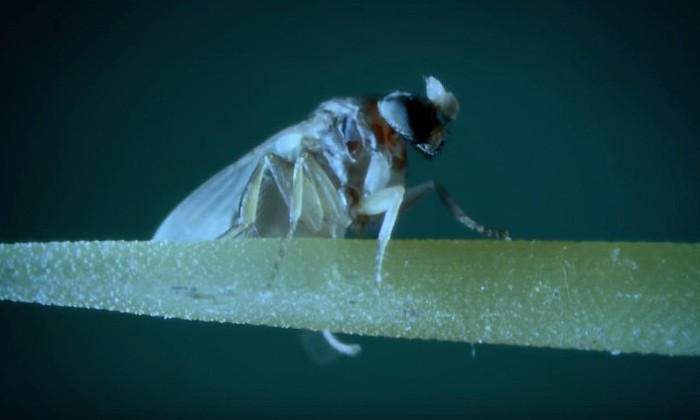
[415,119]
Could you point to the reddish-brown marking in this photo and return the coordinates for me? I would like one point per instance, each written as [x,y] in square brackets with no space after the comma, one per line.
[398,161]
[386,136]
[360,221]
[353,146]
[353,194]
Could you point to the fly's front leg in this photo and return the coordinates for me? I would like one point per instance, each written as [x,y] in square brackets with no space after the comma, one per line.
[416,193]
[462,218]
[387,201]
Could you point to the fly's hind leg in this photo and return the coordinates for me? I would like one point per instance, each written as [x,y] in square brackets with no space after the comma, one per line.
[308,195]
[462,218]
[294,199]
[289,184]
[279,170]
[416,193]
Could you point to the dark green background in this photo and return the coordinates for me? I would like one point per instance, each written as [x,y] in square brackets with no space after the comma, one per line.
[580,121]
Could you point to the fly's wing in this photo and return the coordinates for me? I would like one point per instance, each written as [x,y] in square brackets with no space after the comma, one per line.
[210,210]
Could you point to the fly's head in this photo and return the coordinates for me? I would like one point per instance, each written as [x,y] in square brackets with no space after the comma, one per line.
[421,121]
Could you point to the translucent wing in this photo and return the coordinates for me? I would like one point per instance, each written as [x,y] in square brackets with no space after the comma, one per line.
[211,209]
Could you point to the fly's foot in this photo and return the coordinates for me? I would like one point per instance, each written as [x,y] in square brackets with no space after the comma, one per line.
[350,350]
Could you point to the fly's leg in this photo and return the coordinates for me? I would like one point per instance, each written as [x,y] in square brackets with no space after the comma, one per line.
[387,201]
[316,191]
[416,193]
[248,212]
[310,197]
[295,200]
[462,218]
[322,204]
[350,350]
[314,201]
[308,194]
[291,191]
[323,348]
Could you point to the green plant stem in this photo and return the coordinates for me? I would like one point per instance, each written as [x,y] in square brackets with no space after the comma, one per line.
[618,297]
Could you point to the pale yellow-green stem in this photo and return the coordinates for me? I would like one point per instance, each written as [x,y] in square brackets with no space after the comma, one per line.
[618,297]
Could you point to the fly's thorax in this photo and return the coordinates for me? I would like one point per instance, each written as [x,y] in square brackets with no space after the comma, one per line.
[377,154]
[359,148]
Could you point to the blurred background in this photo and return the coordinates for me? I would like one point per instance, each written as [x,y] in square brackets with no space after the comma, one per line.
[579,121]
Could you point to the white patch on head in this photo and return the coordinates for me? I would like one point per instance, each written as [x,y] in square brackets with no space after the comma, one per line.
[444,100]
[394,112]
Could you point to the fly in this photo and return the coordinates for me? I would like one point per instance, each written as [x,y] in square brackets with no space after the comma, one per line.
[344,166]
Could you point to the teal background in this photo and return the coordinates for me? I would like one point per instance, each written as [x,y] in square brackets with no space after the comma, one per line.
[579,121]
